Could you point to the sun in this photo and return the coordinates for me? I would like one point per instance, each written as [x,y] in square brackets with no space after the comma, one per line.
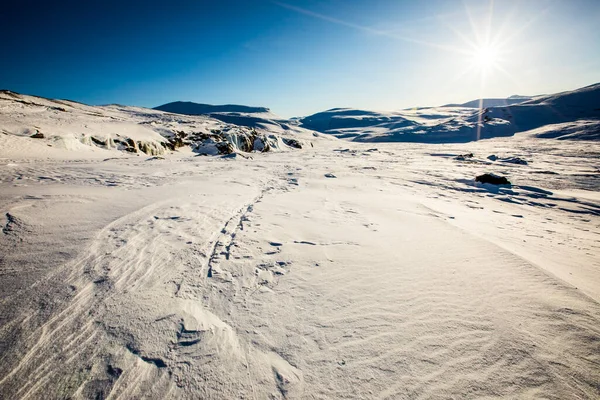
[485,57]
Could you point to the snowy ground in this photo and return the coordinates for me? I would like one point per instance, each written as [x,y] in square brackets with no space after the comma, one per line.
[346,270]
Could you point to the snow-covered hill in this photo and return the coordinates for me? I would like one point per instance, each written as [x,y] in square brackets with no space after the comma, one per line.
[190,108]
[45,126]
[484,103]
[251,117]
[459,124]
[42,127]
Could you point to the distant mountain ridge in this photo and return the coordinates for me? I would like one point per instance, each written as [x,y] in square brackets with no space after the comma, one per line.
[191,108]
[568,115]
[493,102]
[248,116]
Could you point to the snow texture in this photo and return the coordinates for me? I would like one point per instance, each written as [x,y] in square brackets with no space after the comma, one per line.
[338,270]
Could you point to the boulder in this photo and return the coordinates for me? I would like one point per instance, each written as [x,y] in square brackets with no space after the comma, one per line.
[492,179]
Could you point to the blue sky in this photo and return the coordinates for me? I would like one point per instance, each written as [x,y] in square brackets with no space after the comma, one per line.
[298,57]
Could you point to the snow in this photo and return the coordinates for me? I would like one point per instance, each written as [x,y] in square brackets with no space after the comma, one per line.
[253,117]
[81,129]
[339,270]
[485,103]
[463,123]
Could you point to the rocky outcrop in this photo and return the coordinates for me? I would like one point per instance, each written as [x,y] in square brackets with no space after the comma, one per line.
[232,140]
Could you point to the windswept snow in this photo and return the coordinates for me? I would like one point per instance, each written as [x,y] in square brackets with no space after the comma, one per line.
[339,270]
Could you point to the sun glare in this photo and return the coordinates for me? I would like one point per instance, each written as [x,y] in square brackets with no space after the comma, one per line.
[485,57]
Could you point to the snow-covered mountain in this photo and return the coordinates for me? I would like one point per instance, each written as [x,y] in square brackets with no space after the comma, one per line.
[458,124]
[251,117]
[496,102]
[191,108]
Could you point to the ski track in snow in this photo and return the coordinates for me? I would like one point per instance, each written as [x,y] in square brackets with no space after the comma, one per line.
[398,277]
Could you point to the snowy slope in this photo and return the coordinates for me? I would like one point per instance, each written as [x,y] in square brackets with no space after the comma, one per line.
[484,103]
[463,123]
[43,127]
[190,108]
[423,125]
[252,117]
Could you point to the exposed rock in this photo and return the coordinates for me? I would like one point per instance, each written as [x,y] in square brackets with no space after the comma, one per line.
[224,147]
[246,143]
[493,179]
[261,144]
[230,139]
[330,175]
[175,143]
[292,143]
[510,160]
[514,160]
[463,157]
[98,142]
[151,148]
[131,145]
[37,135]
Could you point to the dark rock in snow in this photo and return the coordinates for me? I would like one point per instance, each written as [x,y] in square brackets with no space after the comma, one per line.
[98,142]
[514,160]
[510,160]
[224,147]
[292,143]
[493,179]
[463,157]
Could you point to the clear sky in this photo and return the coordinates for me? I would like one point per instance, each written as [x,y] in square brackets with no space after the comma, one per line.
[298,57]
